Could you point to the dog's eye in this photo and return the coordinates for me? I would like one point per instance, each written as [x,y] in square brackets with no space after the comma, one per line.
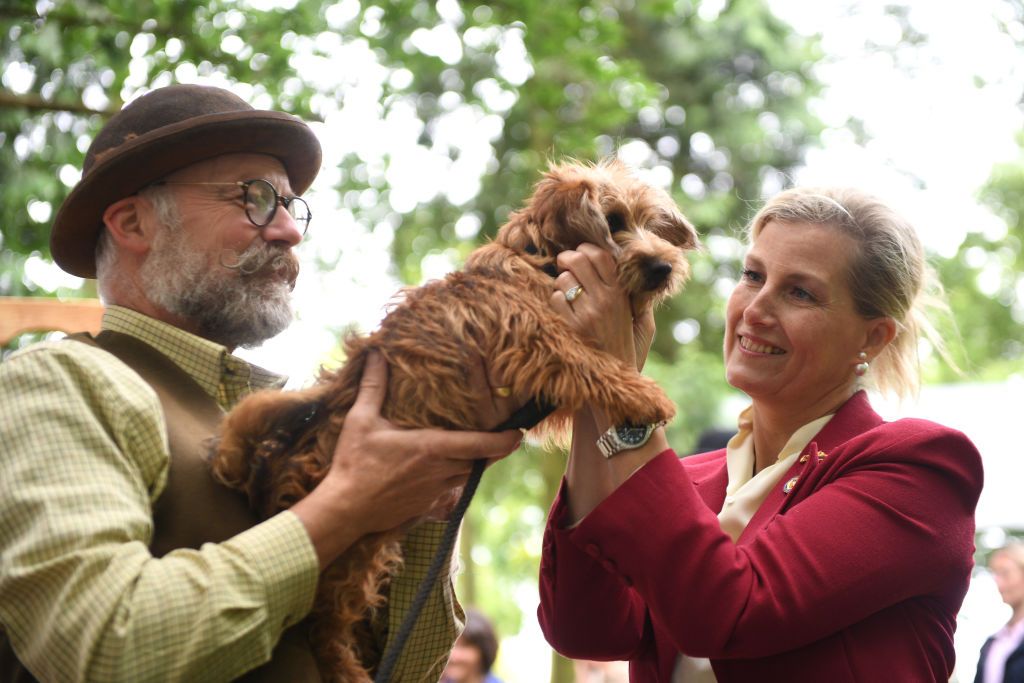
[616,222]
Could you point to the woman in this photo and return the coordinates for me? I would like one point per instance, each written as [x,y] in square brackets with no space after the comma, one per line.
[1002,655]
[822,544]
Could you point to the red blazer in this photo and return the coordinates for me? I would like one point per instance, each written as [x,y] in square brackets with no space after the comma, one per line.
[855,574]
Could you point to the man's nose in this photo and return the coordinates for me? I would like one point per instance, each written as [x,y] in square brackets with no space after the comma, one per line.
[283,229]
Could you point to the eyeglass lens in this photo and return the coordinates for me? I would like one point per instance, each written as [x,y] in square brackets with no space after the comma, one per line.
[261,200]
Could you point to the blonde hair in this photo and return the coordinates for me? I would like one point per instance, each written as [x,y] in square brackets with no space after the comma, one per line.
[1014,550]
[888,274]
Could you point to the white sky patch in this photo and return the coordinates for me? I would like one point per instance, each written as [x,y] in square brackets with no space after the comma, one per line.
[39,211]
[438,264]
[512,60]
[341,13]
[634,153]
[495,98]
[48,275]
[415,175]
[658,176]
[930,123]
[18,77]
[441,41]
[69,175]
[468,226]
[685,331]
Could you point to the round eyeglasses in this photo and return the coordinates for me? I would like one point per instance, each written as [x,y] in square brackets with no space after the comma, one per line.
[261,200]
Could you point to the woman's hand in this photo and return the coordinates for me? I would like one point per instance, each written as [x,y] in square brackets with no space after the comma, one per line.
[601,310]
[602,313]
[643,334]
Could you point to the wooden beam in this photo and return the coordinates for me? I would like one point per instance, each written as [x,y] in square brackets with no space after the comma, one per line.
[19,315]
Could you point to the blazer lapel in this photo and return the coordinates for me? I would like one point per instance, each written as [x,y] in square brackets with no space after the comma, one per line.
[854,417]
[710,479]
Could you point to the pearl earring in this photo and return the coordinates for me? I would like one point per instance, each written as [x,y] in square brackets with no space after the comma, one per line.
[861,368]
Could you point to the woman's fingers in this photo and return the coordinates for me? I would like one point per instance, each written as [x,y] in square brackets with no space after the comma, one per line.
[588,296]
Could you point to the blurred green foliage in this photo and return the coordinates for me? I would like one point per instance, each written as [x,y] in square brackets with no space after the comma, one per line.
[986,279]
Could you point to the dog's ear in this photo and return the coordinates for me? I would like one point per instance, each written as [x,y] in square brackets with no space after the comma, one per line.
[271,420]
[518,233]
[673,227]
[566,208]
[255,435]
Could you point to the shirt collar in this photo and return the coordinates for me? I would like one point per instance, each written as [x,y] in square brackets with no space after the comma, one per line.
[739,453]
[224,376]
[1014,632]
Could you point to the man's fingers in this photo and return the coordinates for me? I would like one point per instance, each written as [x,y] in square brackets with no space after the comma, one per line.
[457,483]
[499,403]
[373,384]
[474,445]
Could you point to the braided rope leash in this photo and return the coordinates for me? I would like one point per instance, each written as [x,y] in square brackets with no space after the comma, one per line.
[524,418]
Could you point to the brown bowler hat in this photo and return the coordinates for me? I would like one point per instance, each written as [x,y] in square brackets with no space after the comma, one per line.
[165,130]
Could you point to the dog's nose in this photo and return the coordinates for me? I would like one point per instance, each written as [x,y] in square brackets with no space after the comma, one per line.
[657,273]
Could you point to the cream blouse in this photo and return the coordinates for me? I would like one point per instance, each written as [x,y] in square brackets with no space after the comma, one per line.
[743,496]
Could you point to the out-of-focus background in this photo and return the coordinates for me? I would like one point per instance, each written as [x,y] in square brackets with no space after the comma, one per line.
[437,117]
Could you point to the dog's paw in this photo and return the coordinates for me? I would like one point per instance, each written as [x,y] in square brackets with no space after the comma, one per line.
[640,401]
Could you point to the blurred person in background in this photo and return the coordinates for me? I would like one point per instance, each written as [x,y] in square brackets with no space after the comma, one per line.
[1002,656]
[589,671]
[474,653]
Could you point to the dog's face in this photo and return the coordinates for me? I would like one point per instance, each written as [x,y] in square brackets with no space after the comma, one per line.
[606,205]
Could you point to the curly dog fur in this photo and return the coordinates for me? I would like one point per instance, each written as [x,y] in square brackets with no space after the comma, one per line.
[277,446]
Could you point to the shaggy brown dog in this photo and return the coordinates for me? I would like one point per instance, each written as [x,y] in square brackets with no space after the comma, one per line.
[277,446]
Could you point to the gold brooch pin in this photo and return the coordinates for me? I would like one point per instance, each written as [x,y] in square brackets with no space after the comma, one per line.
[822,455]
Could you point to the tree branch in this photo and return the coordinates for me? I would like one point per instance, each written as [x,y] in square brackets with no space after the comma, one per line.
[34,102]
[66,20]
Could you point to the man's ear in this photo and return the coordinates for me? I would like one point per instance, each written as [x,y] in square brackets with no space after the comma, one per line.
[130,224]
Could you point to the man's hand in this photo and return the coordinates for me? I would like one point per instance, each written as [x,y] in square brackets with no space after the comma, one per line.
[382,477]
[494,410]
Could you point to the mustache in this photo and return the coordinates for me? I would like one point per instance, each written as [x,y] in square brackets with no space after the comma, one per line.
[262,259]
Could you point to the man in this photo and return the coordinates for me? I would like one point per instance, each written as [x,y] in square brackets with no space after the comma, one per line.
[120,558]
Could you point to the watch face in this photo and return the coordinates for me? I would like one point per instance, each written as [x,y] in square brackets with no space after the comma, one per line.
[633,436]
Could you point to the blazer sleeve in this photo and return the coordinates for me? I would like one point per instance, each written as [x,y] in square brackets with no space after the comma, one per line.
[587,609]
[890,519]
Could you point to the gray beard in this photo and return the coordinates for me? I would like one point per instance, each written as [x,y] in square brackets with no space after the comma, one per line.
[243,303]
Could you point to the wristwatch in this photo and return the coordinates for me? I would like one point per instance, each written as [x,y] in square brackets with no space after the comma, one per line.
[625,437]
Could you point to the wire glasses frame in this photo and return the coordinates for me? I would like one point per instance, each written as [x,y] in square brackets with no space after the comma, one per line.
[261,201]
